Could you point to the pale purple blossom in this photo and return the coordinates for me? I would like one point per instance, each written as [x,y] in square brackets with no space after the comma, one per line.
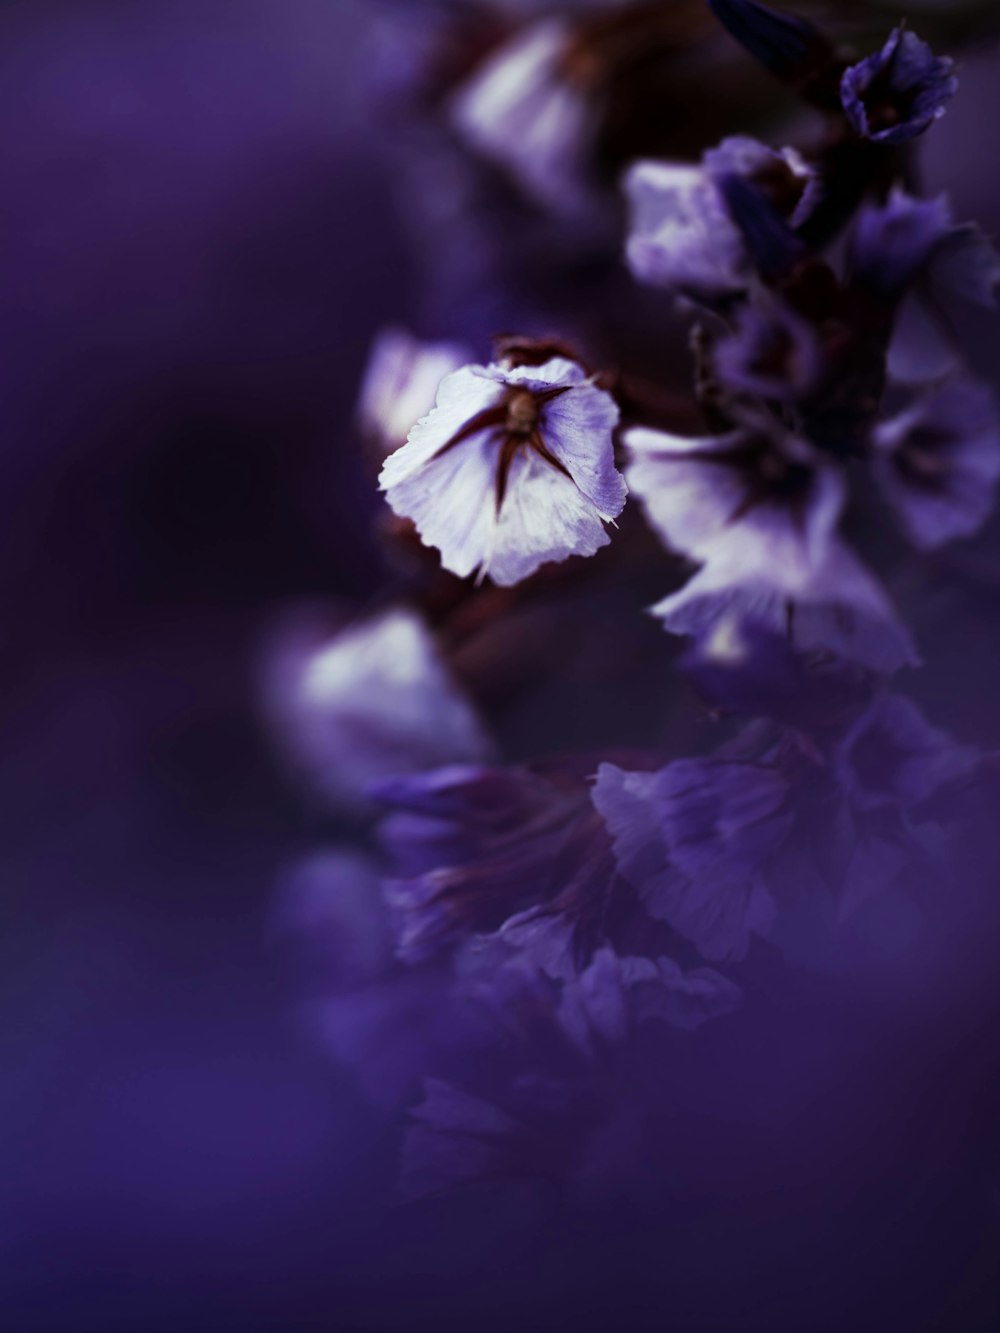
[759,509]
[761,496]
[519,110]
[400,384]
[513,468]
[833,607]
[371,700]
[683,234]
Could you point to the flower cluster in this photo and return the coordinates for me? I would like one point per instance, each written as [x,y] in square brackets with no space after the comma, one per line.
[548,898]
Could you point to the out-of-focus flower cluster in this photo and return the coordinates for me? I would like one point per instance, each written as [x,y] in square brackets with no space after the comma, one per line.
[756,345]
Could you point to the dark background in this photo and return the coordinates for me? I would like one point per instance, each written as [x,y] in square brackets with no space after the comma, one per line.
[198,242]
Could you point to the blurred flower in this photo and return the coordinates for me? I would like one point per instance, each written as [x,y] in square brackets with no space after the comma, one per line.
[513,468]
[775,837]
[400,385]
[892,241]
[571,1128]
[892,758]
[691,838]
[516,856]
[770,353]
[372,700]
[938,462]
[603,1005]
[895,94]
[683,233]
[764,497]
[744,668]
[834,606]
[519,110]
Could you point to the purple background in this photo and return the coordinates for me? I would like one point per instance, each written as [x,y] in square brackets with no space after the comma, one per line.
[199,245]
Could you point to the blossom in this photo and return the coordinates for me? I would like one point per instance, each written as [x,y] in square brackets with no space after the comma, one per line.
[400,385]
[742,667]
[891,757]
[519,110]
[371,700]
[760,495]
[691,227]
[892,241]
[771,352]
[605,1003]
[513,467]
[758,509]
[913,257]
[895,94]
[691,838]
[518,852]
[832,607]
[938,462]
[911,253]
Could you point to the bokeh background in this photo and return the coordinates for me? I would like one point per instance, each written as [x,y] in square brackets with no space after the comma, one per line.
[198,241]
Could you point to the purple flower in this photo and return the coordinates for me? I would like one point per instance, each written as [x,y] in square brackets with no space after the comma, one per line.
[474,848]
[770,353]
[754,496]
[693,232]
[834,607]
[759,510]
[372,700]
[892,758]
[910,252]
[892,241]
[963,269]
[602,1006]
[692,838]
[741,667]
[938,462]
[400,385]
[894,95]
[512,468]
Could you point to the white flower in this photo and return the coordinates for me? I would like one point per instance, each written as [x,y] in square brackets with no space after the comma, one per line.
[400,383]
[514,467]
[518,111]
[371,702]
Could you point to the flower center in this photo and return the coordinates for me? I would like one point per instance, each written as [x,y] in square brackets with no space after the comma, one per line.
[522,412]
